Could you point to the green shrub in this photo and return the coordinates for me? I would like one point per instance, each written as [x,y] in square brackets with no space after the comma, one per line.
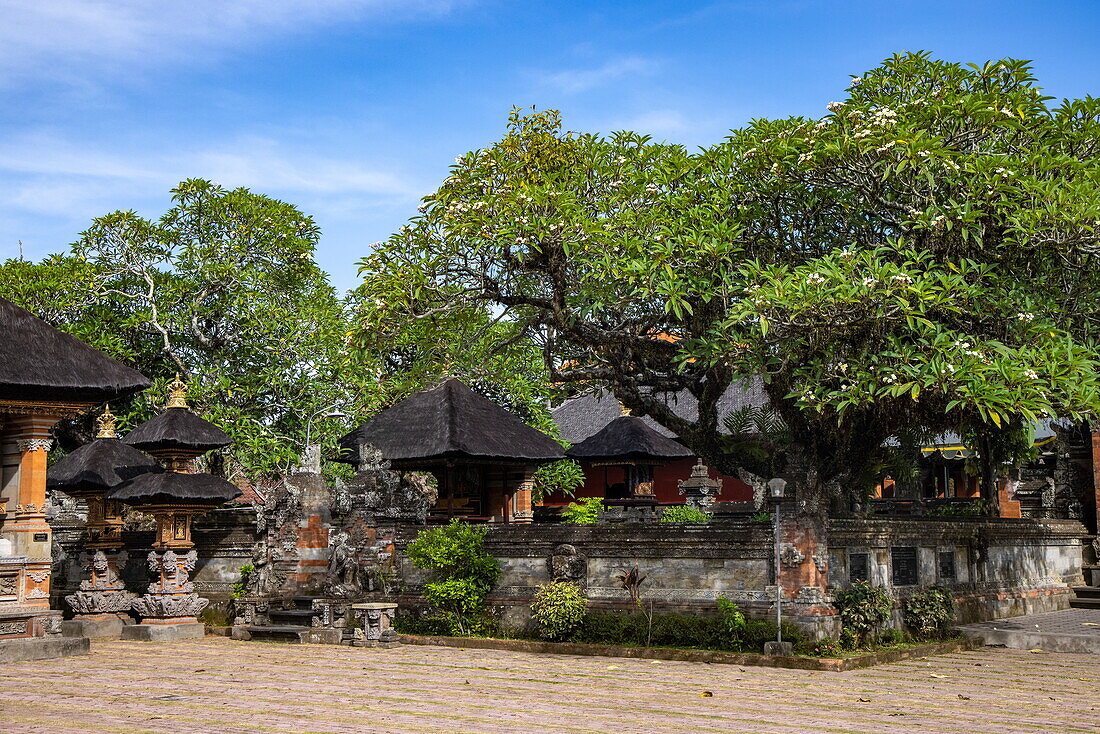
[732,618]
[893,637]
[759,631]
[558,608]
[241,587]
[585,511]
[863,609]
[929,613]
[760,517]
[607,628]
[689,630]
[466,572]
[826,647]
[684,513]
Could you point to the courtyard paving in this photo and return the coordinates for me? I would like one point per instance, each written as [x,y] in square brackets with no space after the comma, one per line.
[220,685]
[1069,630]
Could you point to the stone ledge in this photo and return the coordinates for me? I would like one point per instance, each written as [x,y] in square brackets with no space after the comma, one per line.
[695,656]
[164,632]
[42,648]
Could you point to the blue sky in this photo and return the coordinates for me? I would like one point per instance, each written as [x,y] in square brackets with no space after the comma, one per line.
[353,109]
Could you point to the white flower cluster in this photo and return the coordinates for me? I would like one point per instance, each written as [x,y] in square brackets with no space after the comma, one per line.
[815,278]
[869,282]
[1025,316]
[890,378]
[1003,172]
[902,278]
[1031,374]
[883,116]
[834,106]
[856,81]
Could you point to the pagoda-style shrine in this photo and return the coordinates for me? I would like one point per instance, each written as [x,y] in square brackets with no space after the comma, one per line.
[170,609]
[483,457]
[88,474]
[45,376]
[627,449]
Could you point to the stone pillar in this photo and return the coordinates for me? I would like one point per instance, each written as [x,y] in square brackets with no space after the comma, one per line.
[170,608]
[1095,482]
[804,571]
[314,527]
[25,524]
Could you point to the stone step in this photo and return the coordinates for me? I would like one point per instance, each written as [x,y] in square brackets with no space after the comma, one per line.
[1079,603]
[303,602]
[1087,592]
[291,617]
[294,633]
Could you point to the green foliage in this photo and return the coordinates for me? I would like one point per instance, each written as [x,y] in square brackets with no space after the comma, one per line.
[929,613]
[684,513]
[240,588]
[732,617]
[558,607]
[863,609]
[923,256]
[223,289]
[760,517]
[679,630]
[466,572]
[893,637]
[826,647]
[585,511]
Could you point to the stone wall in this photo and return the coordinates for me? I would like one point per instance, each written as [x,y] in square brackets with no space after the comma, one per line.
[1000,567]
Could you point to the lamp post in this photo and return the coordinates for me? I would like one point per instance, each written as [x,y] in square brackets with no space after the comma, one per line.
[332,411]
[776,490]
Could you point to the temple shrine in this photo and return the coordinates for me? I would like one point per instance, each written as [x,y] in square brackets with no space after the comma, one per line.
[45,376]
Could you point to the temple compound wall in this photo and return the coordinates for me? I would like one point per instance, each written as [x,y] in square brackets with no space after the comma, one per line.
[994,568]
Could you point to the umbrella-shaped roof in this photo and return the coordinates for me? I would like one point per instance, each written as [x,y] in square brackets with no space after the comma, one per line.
[178,428]
[41,363]
[628,438]
[175,488]
[450,422]
[98,466]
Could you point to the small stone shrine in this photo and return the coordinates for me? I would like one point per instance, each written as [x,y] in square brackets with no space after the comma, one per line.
[45,376]
[87,474]
[170,609]
[699,490]
[629,444]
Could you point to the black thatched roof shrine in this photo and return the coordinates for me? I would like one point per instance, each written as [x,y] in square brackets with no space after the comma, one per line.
[41,363]
[98,466]
[175,488]
[450,422]
[628,438]
[178,428]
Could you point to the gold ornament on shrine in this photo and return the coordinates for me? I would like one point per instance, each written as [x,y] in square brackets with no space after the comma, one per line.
[106,424]
[177,393]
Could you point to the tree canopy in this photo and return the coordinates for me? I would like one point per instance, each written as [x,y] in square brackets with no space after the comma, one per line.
[920,258]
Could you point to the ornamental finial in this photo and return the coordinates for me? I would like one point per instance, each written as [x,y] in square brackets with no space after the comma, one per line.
[623,410]
[177,393]
[106,423]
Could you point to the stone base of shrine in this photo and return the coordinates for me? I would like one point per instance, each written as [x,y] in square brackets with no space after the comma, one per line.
[42,648]
[164,632]
[96,627]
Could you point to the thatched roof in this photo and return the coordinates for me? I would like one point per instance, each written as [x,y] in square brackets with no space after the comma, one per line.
[174,487]
[631,439]
[98,466]
[178,428]
[583,415]
[450,422]
[41,363]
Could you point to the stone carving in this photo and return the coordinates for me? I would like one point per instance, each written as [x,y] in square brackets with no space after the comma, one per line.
[37,593]
[34,444]
[100,602]
[51,625]
[103,591]
[9,585]
[566,564]
[810,595]
[250,610]
[173,594]
[821,560]
[13,628]
[377,629]
[699,489]
[791,556]
[39,576]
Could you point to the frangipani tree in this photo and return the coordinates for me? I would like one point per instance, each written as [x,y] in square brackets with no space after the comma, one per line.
[921,257]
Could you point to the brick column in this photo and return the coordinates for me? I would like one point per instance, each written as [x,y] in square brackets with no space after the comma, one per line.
[25,524]
[804,571]
[522,507]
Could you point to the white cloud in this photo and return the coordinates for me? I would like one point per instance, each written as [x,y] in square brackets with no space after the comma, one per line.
[71,38]
[574,81]
[54,177]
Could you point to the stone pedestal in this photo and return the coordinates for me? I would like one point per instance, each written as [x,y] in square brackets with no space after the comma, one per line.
[169,632]
[377,628]
[784,649]
[96,627]
[171,601]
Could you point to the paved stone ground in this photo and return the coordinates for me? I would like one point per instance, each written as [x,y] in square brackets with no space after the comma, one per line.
[220,685]
[1070,630]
